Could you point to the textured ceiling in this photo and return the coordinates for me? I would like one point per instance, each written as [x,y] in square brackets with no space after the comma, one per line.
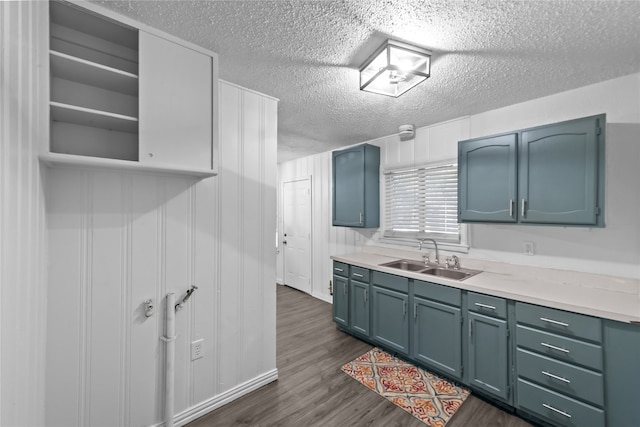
[486,55]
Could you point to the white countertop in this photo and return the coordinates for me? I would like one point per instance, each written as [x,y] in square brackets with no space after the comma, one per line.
[609,297]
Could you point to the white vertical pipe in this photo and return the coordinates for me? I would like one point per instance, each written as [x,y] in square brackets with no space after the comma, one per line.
[170,340]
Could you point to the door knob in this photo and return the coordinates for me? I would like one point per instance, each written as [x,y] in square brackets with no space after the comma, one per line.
[284,242]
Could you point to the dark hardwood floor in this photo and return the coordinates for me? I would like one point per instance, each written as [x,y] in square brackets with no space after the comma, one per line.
[313,391]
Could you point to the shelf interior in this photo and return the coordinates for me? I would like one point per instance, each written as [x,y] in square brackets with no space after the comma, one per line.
[90,73]
[94,85]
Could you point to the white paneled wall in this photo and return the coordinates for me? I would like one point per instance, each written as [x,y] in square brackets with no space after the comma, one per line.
[23,291]
[118,239]
[614,249]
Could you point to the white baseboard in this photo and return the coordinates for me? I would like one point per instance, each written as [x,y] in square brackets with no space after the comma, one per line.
[222,399]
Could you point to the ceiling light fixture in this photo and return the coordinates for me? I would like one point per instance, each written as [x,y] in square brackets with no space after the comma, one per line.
[394,68]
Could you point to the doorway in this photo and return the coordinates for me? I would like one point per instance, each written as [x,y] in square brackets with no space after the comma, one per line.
[296,236]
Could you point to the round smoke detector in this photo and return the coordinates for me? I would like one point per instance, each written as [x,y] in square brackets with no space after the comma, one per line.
[406,132]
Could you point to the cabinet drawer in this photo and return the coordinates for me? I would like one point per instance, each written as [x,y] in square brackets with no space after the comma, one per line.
[340,268]
[559,347]
[560,409]
[560,322]
[360,274]
[440,293]
[562,377]
[487,305]
[389,281]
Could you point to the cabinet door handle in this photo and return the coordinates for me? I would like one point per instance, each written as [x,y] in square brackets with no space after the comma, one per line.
[557,411]
[555,322]
[366,296]
[358,275]
[415,311]
[344,288]
[523,208]
[511,203]
[553,347]
[556,377]
[490,307]
[404,308]
[361,218]
[470,328]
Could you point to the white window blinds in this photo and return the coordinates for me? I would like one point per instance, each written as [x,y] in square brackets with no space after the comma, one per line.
[422,202]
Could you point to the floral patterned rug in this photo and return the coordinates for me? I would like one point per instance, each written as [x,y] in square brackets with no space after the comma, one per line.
[424,395]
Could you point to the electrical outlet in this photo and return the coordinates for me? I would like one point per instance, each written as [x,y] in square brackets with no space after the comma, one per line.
[527,248]
[197,349]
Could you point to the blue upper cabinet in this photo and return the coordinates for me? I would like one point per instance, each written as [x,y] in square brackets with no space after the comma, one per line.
[551,174]
[356,187]
[487,177]
[559,173]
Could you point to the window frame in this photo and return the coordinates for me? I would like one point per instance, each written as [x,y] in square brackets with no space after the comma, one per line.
[455,243]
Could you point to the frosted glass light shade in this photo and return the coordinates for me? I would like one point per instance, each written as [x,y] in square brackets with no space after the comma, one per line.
[394,68]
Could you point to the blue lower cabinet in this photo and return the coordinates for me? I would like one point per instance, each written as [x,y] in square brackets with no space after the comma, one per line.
[341,301]
[390,319]
[488,355]
[558,408]
[561,368]
[359,308]
[437,336]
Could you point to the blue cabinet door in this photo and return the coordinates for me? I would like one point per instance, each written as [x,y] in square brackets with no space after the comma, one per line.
[558,173]
[487,346]
[356,187]
[390,319]
[341,301]
[359,304]
[487,174]
[622,373]
[437,336]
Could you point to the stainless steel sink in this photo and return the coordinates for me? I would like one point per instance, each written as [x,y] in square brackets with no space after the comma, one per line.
[406,264]
[418,267]
[460,274]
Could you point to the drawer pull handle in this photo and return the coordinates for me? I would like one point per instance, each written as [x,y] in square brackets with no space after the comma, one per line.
[554,322]
[338,269]
[490,307]
[553,347]
[358,275]
[555,377]
[557,411]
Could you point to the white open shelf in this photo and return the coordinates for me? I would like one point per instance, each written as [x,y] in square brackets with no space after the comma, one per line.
[93,118]
[93,74]
[70,160]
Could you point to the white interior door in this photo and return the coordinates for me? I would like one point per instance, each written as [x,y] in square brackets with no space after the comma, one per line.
[296,236]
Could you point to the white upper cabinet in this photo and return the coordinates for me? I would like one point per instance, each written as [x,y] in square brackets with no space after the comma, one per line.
[122,97]
[175,104]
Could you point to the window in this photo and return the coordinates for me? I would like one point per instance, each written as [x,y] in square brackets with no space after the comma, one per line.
[422,202]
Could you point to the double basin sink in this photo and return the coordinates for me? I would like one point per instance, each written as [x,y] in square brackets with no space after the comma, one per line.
[429,270]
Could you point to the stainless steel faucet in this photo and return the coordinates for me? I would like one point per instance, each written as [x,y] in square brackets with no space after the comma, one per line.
[434,244]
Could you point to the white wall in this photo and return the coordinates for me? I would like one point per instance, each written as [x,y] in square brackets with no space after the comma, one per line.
[117,239]
[614,249]
[23,291]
